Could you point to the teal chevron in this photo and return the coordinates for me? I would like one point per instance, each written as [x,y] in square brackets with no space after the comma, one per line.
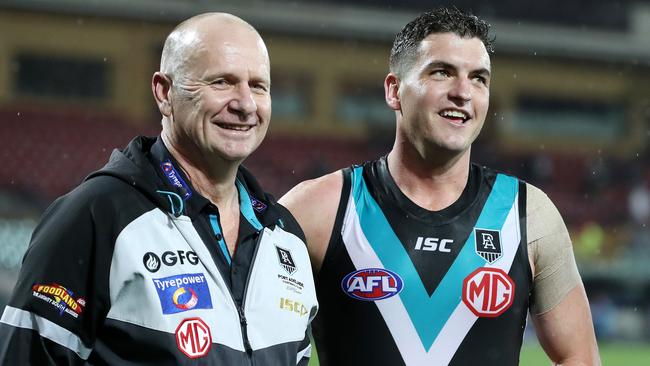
[429,313]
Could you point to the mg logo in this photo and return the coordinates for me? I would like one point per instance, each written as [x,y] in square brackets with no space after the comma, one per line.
[488,292]
[193,337]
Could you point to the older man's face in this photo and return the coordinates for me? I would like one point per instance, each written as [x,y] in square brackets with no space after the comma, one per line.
[221,102]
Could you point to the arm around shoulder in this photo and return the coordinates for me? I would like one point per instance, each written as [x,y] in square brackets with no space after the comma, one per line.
[314,204]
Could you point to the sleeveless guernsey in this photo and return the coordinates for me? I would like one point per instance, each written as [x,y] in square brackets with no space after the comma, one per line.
[401,285]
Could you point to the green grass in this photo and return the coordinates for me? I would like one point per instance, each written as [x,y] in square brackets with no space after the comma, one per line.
[611,354]
[614,354]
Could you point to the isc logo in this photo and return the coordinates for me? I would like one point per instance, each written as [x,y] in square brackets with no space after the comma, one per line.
[193,337]
[433,244]
[372,284]
[488,292]
[293,306]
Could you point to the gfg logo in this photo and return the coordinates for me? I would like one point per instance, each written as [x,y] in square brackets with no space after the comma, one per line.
[488,292]
[372,284]
[152,262]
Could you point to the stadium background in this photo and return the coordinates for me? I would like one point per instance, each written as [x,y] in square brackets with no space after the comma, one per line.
[570,113]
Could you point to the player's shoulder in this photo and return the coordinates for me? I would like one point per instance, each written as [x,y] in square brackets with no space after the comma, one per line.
[490,173]
[322,189]
[542,216]
[537,201]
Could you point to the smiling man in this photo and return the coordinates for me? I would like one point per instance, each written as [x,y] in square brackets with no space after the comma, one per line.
[172,254]
[424,258]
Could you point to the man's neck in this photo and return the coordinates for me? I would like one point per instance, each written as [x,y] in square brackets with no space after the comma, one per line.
[214,180]
[429,183]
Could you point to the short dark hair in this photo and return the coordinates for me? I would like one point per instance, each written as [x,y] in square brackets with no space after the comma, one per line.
[441,20]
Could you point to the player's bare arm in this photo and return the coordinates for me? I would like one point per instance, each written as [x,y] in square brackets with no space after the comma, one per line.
[566,332]
[559,308]
[314,204]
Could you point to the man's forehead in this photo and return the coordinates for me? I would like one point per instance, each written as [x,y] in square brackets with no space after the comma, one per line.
[205,51]
[454,48]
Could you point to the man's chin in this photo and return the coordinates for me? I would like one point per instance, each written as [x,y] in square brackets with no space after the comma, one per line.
[235,155]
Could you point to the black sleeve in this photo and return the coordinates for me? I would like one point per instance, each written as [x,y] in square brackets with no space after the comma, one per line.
[61,297]
[306,348]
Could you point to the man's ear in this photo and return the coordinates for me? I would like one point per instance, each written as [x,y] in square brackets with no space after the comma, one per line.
[391,92]
[161,84]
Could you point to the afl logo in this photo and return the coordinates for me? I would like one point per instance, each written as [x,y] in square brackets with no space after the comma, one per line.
[151,262]
[372,284]
[488,292]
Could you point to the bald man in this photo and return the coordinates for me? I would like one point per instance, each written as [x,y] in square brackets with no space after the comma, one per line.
[172,253]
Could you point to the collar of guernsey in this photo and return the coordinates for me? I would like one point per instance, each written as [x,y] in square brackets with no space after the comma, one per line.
[429,313]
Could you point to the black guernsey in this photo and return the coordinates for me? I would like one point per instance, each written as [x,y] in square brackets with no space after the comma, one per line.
[403,285]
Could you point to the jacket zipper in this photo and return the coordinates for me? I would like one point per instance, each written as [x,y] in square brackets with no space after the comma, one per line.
[244,330]
[240,309]
[243,323]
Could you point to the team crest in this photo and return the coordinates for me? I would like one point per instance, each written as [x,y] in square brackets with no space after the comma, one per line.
[488,244]
[286,260]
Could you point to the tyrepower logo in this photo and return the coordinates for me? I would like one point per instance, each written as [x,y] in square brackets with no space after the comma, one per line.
[183,292]
[372,284]
[175,179]
[193,337]
[488,292]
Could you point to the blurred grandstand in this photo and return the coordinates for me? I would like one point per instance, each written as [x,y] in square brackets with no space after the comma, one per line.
[570,111]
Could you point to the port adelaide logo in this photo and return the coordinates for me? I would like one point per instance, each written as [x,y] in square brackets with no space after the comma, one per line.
[286,260]
[488,244]
[372,284]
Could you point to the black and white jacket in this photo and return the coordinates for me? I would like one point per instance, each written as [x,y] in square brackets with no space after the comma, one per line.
[116,273]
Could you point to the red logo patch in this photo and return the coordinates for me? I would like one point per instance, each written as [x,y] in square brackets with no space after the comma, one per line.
[488,292]
[193,337]
[60,297]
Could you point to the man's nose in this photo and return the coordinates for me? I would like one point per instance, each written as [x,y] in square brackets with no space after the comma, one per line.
[461,90]
[243,102]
